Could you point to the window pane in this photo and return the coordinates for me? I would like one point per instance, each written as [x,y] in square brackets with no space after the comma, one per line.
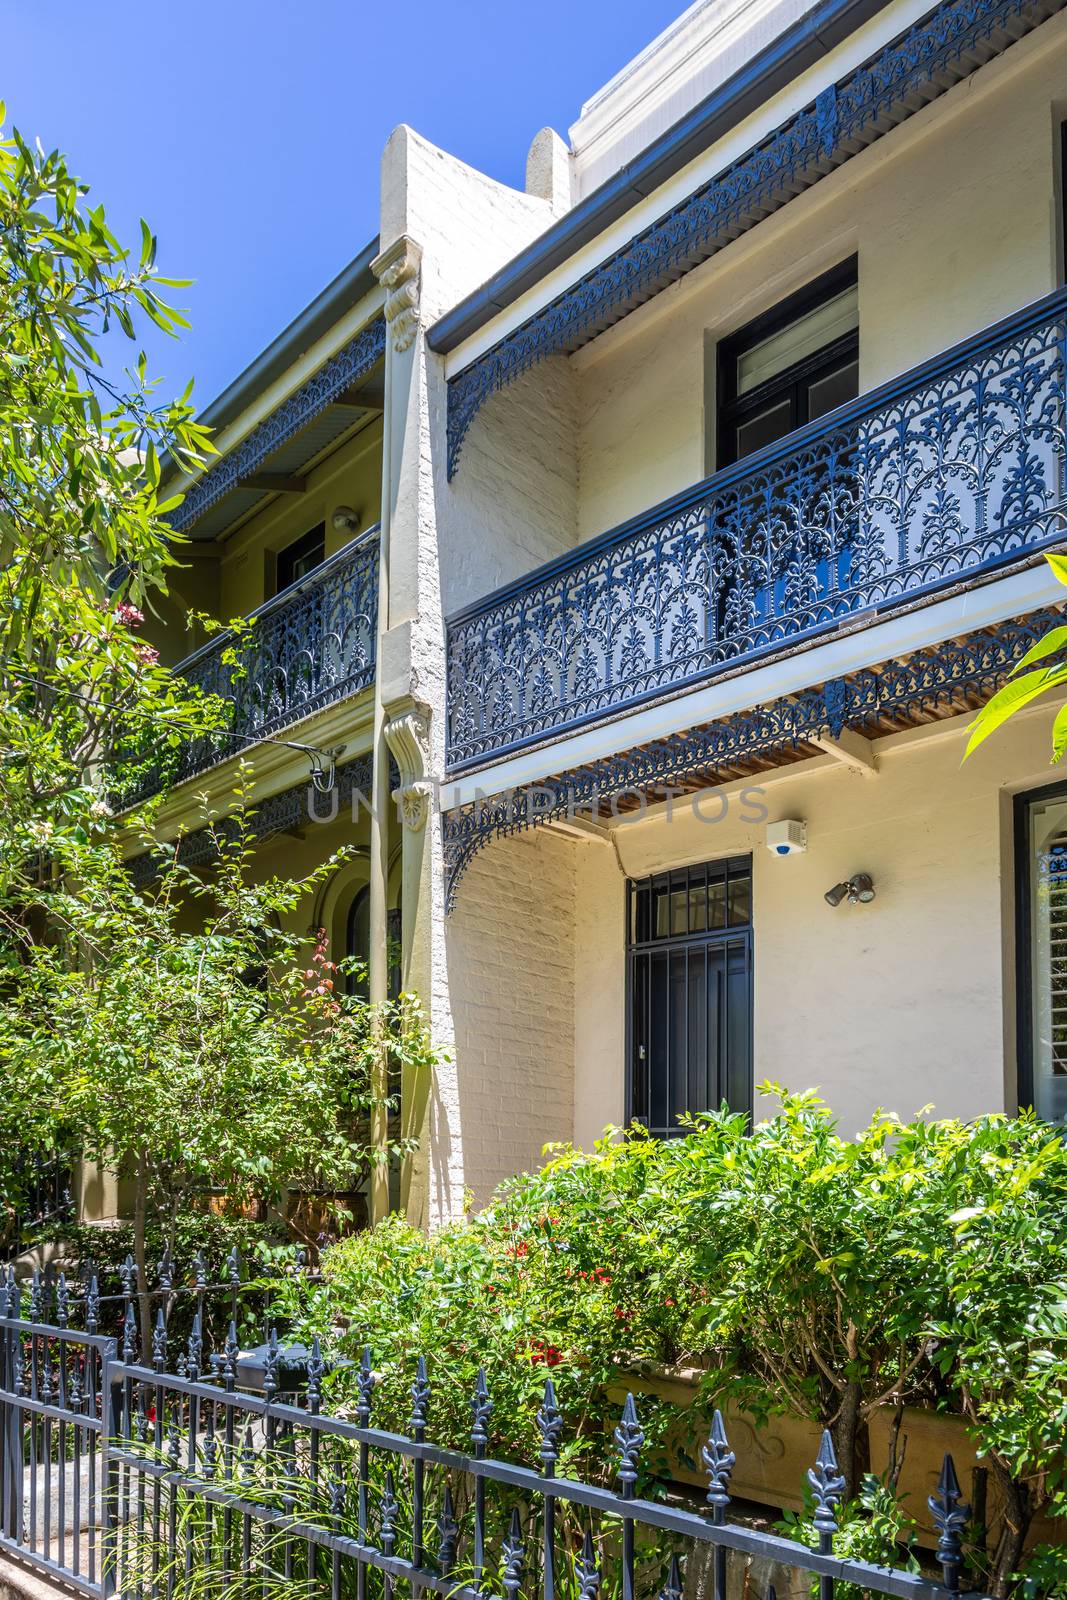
[835,389]
[740,899]
[1048,933]
[698,908]
[765,427]
[679,910]
[359,942]
[801,338]
[661,924]
[716,903]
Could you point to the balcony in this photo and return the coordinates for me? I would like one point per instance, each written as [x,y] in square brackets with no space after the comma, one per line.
[309,647]
[952,471]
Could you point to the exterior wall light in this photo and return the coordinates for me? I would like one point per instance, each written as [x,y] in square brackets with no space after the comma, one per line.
[857,890]
[345,520]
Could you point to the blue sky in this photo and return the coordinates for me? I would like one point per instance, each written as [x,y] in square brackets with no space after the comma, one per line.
[249,132]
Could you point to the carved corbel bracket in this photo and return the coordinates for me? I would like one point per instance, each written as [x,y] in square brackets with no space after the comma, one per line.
[397,270]
[407,733]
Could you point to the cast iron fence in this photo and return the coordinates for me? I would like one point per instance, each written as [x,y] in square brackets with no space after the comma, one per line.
[307,648]
[181,1475]
[952,470]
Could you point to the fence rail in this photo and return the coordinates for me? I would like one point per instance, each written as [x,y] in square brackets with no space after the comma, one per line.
[153,1478]
[952,470]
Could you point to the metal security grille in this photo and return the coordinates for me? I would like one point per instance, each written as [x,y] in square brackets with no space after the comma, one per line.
[689,971]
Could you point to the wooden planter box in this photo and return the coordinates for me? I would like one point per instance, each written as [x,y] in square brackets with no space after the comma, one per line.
[772,1460]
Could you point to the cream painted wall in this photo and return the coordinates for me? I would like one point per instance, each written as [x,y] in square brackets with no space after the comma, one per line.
[954,218]
[351,476]
[901,1003]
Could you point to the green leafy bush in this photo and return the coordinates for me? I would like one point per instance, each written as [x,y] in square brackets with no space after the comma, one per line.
[920,1263]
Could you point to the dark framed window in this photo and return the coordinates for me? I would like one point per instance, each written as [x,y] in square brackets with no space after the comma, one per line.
[689,982]
[357,943]
[1041,950]
[300,557]
[790,366]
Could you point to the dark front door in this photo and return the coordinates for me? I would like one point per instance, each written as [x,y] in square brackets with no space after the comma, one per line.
[689,969]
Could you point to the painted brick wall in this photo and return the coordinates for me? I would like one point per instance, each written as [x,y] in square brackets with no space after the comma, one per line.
[515,504]
[511,960]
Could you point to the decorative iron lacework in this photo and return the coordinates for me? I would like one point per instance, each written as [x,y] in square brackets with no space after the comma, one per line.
[951,470]
[948,44]
[925,681]
[311,647]
[289,809]
[344,369]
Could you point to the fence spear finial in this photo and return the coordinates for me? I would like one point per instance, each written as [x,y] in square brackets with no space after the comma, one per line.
[159,1341]
[828,1486]
[672,1589]
[481,1407]
[950,1516]
[389,1512]
[719,1462]
[629,1436]
[512,1551]
[129,1337]
[365,1388]
[588,1571]
[316,1368]
[447,1534]
[195,1349]
[420,1394]
[550,1425]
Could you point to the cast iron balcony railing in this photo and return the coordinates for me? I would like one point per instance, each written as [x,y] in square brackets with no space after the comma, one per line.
[310,646]
[954,469]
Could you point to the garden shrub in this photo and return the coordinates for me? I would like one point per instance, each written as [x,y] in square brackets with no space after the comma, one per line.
[919,1263]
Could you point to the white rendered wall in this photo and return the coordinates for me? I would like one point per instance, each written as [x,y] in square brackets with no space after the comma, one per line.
[903,1003]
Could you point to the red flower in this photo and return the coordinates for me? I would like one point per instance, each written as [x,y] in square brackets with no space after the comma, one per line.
[128,615]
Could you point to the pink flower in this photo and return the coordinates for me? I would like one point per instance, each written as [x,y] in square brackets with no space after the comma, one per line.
[147,654]
[128,615]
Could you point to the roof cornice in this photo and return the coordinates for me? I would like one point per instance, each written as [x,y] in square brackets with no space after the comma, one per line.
[765,75]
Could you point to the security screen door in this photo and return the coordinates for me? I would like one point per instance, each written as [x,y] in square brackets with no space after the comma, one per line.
[689,970]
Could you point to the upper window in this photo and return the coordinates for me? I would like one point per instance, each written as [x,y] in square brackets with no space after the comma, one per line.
[791,365]
[301,557]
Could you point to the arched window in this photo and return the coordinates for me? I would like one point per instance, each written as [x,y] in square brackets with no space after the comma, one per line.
[357,940]
[357,944]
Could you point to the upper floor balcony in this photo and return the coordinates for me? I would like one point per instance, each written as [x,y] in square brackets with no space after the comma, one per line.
[309,647]
[944,476]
